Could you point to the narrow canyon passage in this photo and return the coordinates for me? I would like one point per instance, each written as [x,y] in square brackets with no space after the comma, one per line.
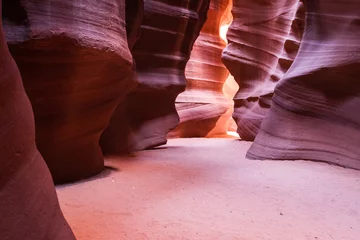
[195,189]
[181,119]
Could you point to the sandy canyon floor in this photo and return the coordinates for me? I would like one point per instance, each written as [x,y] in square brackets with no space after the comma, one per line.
[205,189]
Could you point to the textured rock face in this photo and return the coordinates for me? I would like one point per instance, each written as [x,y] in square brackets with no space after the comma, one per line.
[168,32]
[315,112]
[76,67]
[203,102]
[29,207]
[263,41]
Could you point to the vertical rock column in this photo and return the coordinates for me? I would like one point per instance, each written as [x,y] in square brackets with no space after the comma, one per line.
[76,67]
[255,57]
[168,32]
[203,102]
[29,207]
[315,112]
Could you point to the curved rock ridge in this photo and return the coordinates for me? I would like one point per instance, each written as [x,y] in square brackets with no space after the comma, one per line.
[263,41]
[76,67]
[203,103]
[226,122]
[29,207]
[315,112]
[168,32]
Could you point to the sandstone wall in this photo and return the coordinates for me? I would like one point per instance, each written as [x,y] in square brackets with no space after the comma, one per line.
[203,103]
[76,66]
[29,207]
[315,112]
[263,41]
[168,32]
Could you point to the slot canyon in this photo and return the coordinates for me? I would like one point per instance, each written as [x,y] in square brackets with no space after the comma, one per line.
[181,119]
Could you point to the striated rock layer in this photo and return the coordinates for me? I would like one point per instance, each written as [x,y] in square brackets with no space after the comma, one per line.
[315,112]
[75,63]
[29,207]
[263,41]
[168,32]
[203,102]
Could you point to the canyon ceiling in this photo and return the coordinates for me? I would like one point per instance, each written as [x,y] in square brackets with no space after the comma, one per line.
[84,79]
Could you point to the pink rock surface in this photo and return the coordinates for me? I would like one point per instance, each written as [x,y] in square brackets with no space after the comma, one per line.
[29,207]
[168,32]
[315,112]
[203,103]
[263,41]
[76,67]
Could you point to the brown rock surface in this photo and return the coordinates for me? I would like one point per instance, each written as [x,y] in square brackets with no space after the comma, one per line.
[203,103]
[168,32]
[29,207]
[315,112]
[75,63]
[263,41]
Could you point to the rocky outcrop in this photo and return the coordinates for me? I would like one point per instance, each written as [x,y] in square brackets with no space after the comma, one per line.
[29,207]
[263,41]
[203,103]
[315,112]
[76,67]
[168,32]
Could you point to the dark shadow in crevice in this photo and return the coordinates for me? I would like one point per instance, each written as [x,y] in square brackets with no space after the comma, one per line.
[105,173]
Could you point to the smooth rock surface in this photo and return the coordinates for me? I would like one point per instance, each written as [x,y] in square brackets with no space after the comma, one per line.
[196,189]
[29,208]
[76,66]
[263,41]
[168,32]
[315,112]
[203,103]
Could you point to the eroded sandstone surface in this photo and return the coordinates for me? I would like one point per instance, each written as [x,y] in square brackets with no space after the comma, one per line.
[263,41]
[76,66]
[203,103]
[168,32]
[315,111]
[29,207]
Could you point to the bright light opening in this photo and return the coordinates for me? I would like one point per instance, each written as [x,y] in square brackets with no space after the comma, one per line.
[233,134]
[223,31]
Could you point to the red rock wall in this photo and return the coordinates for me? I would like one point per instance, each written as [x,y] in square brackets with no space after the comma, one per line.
[29,207]
[168,32]
[263,41]
[203,102]
[76,67]
[315,112]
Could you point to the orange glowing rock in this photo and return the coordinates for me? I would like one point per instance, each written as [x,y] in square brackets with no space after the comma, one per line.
[205,108]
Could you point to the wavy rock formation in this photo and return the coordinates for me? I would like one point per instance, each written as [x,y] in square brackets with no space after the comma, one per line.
[226,122]
[29,207]
[203,102]
[315,112]
[76,67]
[168,32]
[263,41]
